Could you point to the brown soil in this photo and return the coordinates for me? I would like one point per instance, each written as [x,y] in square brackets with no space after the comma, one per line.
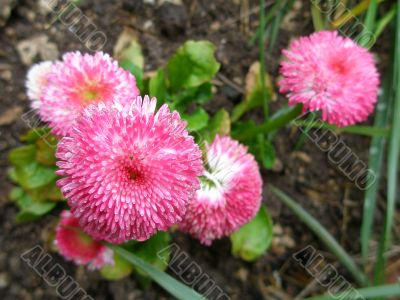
[305,175]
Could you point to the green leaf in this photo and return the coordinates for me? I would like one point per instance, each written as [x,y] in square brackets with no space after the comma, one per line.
[49,192]
[199,95]
[264,152]
[134,70]
[34,175]
[375,162]
[356,129]
[248,130]
[170,284]
[34,211]
[385,291]
[128,48]
[197,120]
[36,133]
[121,268]
[12,174]
[158,86]
[192,65]
[23,155]
[256,92]
[253,239]
[16,193]
[241,129]
[220,124]
[392,163]
[148,251]
[45,153]
[29,209]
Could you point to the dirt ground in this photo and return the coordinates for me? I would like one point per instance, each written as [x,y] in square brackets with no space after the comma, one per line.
[305,174]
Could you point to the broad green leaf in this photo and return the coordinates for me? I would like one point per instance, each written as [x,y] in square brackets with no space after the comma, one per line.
[134,70]
[128,52]
[197,120]
[158,86]
[241,130]
[23,155]
[199,95]
[49,192]
[121,268]
[45,153]
[36,133]
[34,211]
[192,65]
[16,193]
[253,239]
[264,151]
[170,284]
[220,124]
[12,174]
[34,175]
[254,92]
[29,209]
[128,48]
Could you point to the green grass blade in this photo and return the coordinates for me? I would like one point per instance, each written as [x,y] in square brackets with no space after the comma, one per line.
[261,49]
[369,22]
[356,129]
[170,284]
[375,161]
[316,16]
[393,161]
[329,241]
[384,21]
[385,291]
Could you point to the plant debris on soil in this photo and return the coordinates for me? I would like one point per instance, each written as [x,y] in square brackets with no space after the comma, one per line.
[29,33]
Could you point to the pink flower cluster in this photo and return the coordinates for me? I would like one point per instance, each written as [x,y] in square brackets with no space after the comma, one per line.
[129,170]
[75,245]
[230,193]
[333,74]
[61,90]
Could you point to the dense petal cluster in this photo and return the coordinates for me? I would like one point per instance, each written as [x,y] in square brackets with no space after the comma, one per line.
[36,81]
[75,245]
[230,193]
[333,74]
[128,171]
[79,80]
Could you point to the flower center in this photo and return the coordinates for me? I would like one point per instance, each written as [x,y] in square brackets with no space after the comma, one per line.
[133,174]
[90,95]
[339,67]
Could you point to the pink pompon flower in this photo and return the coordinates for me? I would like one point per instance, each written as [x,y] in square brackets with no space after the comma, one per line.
[129,171]
[230,193]
[333,74]
[36,81]
[79,80]
[76,246]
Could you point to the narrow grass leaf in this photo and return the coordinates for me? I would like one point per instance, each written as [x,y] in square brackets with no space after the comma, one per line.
[329,241]
[384,291]
[170,284]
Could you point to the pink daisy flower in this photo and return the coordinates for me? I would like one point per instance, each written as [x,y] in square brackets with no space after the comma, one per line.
[333,74]
[76,246]
[79,80]
[36,81]
[230,193]
[129,171]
